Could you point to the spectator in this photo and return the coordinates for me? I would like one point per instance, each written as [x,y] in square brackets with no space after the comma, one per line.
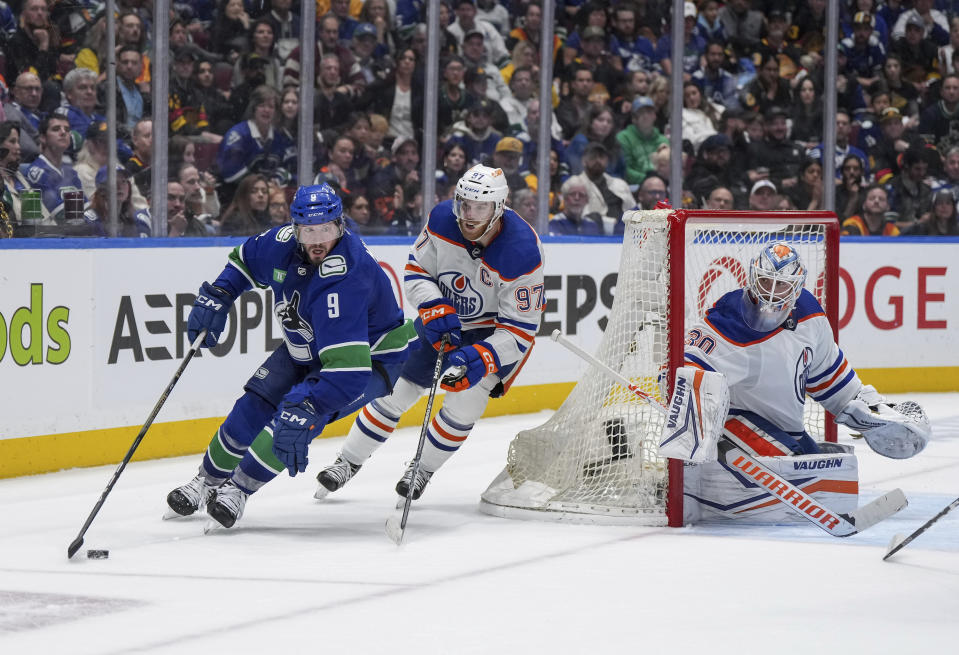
[865,55]
[131,222]
[403,169]
[933,23]
[843,148]
[25,110]
[529,29]
[944,221]
[947,52]
[720,198]
[13,180]
[34,46]
[138,165]
[339,170]
[452,164]
[708,24]
[939,123]
[742,26]
[287,26]
[80,88]
[850,189]
[712,168]
[636,84]
[524,203]
[640,140]
[950,169]
[807,195]
[508,156]
[230,28]
[651,191]
[248,214]
[466,22]
[774,45]
[130,32]
[716,83]
[287,121]
[92,156]
[263,44]
[608,196]
[523,56]
[767,89]
[474,56]
[572,109]
[763,196]
[809,27]
[342,10]
[521,93]
[700,118]
[635,51]
[333,99]
[48,172]
[370,64]
[866,123]
[199,190]
[694,46]
[359,128]
[903,95]
[407,206]
[357,209]
[254,76]
[328,30]
[775,156]
[874,218]
[453,99]
[592,13]
[215,104]
[598,126]
[495,13]
[911,197]
[919,57]
[605,67]
[806,114]
[878,23]
[181,220]
[187,115]
[399,98]
[659,94]
[475,133]
[132,105]
[254,146]
[377,14]
[573,219]
[894,140]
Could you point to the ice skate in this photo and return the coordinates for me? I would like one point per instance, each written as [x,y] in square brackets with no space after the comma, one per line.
[187,499]
[226,505]
[333,477]
[422,477]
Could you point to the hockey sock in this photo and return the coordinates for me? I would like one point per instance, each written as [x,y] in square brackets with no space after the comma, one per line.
[443,438]
[221,457]
[376,422]
[259,465]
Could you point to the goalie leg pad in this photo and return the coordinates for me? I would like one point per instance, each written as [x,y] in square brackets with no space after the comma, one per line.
[697,411]
[719,491]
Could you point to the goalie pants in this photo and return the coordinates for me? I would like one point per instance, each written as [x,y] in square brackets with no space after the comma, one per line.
[758,437]
[242,449]
[450,426]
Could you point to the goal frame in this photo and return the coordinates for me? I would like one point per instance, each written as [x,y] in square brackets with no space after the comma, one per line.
[678,220]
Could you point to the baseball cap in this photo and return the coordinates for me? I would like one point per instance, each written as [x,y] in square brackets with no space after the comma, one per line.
[689,10]
[482,105]
[101,178]
[185,52]
[595,147]
[763,184]
[862,18]
[364,29]
[593,32]
[776,13]
[401,141]
[715,142]
[474,32]
[642,101]
[915,21]
[890,114]
[775,111]
[96,129]
[473,74]
[509,144]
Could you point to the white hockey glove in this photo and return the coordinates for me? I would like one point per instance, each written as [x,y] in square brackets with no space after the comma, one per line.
[898,430]
[696,415]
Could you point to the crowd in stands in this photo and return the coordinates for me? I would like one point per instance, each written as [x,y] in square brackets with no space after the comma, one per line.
[752,111]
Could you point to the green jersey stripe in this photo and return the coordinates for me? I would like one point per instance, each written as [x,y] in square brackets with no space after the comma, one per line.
[236,260]
[262,450]
[396,339]
[346,356]
[222,459]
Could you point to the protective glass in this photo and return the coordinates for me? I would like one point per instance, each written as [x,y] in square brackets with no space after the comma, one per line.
[310,235]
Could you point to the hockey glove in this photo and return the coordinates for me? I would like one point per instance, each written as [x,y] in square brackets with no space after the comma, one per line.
[438,317]
[474,363]
[897,431]
[210,309]
[294,427]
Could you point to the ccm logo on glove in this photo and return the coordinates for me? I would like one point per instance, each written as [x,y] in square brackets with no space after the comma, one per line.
[293,418]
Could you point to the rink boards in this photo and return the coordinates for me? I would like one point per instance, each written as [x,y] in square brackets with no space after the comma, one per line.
[91,332]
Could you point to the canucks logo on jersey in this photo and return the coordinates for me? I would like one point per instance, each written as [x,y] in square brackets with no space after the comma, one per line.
[458,288]
[288,314]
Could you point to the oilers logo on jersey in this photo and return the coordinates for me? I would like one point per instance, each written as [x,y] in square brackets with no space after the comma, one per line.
[802,373]
[459,288]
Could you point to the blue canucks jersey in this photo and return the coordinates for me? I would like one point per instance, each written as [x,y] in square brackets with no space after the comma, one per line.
[341,315]
[244,150]
[50,180]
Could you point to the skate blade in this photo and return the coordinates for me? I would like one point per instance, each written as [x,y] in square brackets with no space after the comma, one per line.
[170,514]
[321,492]
[212,526]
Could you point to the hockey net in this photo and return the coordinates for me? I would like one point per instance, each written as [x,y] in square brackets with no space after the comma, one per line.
[595,460]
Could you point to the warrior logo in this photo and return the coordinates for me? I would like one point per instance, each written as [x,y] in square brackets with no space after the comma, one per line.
[287,313]
[802,373]
[458,288]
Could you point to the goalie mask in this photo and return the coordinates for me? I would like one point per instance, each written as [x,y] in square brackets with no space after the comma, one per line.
[776,278]
[479,200]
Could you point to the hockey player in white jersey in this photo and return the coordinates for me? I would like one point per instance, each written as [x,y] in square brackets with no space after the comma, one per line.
[475,273]
[767,346]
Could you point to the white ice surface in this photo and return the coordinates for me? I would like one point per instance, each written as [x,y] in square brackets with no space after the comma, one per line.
[298,575]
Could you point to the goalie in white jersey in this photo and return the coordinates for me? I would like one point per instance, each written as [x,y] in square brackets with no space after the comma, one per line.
[768,346]
[475,273]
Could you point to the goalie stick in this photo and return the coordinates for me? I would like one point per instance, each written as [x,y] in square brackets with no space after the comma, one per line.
[898,542]
[396,524]
[836,524]
[76,543]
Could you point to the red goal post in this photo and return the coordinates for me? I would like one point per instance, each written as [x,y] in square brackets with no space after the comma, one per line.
[595,459]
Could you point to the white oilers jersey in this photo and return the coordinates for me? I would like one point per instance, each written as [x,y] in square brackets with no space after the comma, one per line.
[498,287]
[770,373]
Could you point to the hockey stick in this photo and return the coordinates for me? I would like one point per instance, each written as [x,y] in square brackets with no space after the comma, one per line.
[78,542]
[396,524]
[834,523]
[898,543]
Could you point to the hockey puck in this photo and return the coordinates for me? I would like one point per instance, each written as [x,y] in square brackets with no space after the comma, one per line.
[98,554]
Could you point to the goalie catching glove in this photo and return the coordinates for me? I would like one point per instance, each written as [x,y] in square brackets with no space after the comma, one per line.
[438,317]
[695,416]
[897,430]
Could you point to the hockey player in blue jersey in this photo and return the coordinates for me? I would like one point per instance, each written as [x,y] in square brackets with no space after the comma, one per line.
[345,344]
[751,361]
[475,273]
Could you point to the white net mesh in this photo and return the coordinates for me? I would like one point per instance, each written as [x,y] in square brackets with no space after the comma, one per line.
[595,459]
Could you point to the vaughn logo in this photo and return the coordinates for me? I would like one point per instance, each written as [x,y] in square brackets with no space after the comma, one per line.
[458,288]
[677,403]
[817,464]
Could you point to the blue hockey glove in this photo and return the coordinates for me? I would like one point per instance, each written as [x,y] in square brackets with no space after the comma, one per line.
[294,427]
[475,363]
[210,309]
[438,317]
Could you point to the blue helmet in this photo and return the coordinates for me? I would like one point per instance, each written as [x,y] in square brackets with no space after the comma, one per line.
[315,204]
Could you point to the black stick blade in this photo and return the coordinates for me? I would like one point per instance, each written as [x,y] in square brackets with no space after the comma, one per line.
[74,547]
